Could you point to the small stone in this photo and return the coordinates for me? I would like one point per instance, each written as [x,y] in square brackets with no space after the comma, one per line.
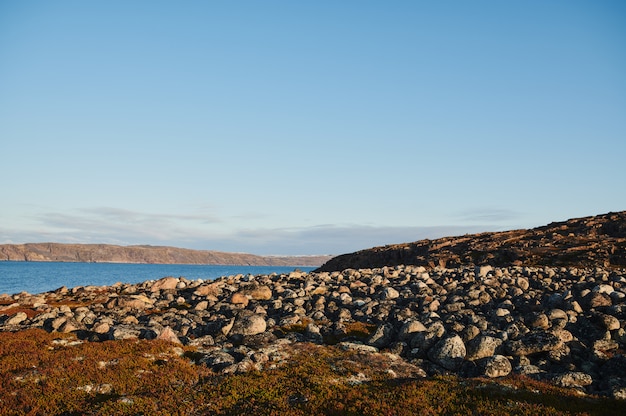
[239,298]
[201,306]
[101,328]
[557,314]
[389,293]
[434,305]
[130,320]
[576,307]
[539,320]
[58,322]
[168,335]
[353,346]
[618,392]
[606,289]
[563,334]
[69,325]
[207,290]
[522,283]
[469,333]
[483,271]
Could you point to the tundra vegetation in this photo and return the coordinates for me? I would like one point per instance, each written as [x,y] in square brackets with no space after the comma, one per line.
[45,373]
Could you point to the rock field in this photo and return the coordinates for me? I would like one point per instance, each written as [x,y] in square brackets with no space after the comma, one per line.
[565,325]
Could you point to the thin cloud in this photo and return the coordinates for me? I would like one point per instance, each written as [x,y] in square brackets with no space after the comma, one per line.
[125,227]
[105,224]
[331,239]
[488,215]
[128,215]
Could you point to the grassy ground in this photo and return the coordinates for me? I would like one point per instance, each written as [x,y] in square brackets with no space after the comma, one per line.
[54,374]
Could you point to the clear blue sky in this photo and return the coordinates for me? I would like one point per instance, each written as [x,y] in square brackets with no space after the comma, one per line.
[292,127]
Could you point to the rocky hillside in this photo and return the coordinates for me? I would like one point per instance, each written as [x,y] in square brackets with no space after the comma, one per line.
[586,242]
[105,253]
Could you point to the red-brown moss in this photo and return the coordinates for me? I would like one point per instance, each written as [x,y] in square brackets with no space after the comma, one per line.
[44,374]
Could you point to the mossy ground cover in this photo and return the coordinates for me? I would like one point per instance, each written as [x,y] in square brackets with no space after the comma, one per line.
[55,374]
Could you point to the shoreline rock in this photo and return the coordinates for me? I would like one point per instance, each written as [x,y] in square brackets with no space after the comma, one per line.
[563,325]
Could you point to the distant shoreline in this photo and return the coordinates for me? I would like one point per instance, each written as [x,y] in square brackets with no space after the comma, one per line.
[108,253]
[172,264]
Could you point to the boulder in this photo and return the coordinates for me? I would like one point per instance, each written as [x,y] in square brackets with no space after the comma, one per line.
[448,353]
[164,284]
[482,346]
[248,324]
[239,298]
[573,379]
[259,292]
[409,328]
[496,366]
[16,319]
[382,337]
[217,360]
[533,342]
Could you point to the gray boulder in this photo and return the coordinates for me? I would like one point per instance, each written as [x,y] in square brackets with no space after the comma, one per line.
[448,353]
[248,324]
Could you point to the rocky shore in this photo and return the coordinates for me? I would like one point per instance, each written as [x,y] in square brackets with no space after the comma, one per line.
[564,325]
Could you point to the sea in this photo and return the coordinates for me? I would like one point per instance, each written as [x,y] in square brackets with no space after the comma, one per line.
[39,277]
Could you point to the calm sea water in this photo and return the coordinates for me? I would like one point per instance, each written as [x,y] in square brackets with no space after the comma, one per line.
[38,277]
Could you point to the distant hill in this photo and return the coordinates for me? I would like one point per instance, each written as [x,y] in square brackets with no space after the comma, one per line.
[582,242]
[106,253]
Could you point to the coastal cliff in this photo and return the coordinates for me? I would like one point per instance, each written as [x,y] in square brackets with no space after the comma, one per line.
[106,253]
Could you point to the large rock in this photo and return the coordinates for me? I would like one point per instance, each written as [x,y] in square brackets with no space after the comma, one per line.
[16,319]
[124,332]
[217,360]
[248,324]
[389,293]
[496,366]
[382,337]
[482,346]
[409,328]
[573,379]
[533,343]
[448,353]
[163,284]
[259,292]
[239,298]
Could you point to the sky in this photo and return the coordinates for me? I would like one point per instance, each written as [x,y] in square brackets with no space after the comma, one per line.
[306,127]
